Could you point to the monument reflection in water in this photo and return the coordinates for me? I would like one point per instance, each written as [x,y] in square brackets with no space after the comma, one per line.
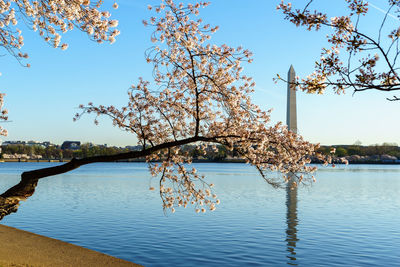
[292,221]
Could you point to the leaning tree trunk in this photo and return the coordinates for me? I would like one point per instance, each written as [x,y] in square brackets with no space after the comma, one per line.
[9,200]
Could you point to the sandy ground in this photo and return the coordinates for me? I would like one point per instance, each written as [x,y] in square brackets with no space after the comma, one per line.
[20,248]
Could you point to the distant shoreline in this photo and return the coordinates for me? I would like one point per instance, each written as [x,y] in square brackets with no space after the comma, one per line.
[194,161]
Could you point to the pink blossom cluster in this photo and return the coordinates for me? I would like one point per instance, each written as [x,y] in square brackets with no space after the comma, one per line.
[3,115]
[358,67]
[52,18]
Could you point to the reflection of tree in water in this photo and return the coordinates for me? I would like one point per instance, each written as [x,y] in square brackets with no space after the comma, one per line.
[292,221]
[9,200]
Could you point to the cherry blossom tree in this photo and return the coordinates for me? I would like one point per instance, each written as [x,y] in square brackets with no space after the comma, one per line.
[51,18]
[199,96]
[366,62]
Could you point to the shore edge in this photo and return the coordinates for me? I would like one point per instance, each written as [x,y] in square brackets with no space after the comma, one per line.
[22,248]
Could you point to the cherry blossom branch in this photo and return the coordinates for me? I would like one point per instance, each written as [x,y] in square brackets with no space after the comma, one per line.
[76,163]
[347,36]
[203,98]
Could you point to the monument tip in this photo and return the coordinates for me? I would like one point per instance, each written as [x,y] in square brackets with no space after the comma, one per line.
[291,69]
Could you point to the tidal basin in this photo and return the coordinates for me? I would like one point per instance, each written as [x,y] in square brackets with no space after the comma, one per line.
[349,217]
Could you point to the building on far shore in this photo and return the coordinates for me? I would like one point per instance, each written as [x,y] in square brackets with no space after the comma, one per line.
[27,143]
[71,145]
[134,148]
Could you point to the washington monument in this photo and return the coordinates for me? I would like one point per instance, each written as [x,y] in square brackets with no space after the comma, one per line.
[291,113]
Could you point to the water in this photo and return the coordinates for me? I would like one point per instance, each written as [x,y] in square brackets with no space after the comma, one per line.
[350,217]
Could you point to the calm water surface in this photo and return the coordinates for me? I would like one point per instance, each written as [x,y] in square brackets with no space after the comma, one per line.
[350,217]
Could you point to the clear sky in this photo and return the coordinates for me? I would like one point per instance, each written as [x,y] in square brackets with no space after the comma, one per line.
[43,99]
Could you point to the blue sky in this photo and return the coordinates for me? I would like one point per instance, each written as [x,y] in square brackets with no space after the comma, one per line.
[42,100]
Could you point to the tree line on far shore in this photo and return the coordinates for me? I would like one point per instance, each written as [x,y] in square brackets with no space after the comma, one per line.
[55,152]
[216,153]
[16,151]
[391,149]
